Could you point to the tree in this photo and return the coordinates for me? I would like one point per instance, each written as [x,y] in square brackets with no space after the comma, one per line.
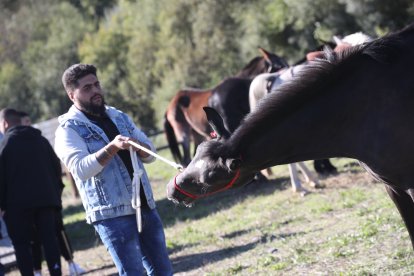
[109,49]
[380,16]
[13,91]
[146,50]
[51,50]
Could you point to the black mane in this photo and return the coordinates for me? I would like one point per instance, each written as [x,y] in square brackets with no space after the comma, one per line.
[255,66]
[311,80]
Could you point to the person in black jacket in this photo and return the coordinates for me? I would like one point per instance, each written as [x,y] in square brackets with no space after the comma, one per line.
[63,239]
[30,183]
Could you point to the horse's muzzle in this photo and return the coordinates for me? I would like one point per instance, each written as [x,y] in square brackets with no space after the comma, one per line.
[176,196]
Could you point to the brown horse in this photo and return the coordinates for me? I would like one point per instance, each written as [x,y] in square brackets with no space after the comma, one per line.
[368,90]
[185,121]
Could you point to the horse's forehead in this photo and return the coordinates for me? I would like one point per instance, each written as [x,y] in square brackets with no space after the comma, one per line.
[199,164]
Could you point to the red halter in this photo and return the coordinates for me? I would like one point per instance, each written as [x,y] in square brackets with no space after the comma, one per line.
[228,186]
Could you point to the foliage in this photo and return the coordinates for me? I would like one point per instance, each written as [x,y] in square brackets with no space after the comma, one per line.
[49,53]
[39,38]
[13,91]
[147,50]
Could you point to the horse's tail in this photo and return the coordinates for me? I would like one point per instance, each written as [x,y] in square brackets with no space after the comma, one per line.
[172,140]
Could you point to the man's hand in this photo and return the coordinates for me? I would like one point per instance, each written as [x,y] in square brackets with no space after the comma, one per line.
[118,143]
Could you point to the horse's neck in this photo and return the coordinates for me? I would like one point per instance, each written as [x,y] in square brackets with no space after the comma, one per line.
[252,70]
[362,110]
[321,129]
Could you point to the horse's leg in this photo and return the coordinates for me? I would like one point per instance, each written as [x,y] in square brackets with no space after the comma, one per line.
[319,166]
[295,181]
[329,167]
[324,166]
[186,150]
[267,172]
[310,178]
[405,206]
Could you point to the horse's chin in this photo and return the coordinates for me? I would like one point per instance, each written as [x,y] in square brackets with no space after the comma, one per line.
[186,203]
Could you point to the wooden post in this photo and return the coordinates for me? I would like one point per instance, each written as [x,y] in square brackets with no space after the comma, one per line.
[69,176]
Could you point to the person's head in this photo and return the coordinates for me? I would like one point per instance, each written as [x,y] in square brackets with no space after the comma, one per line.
[25,118]
[9,117]
[83,88]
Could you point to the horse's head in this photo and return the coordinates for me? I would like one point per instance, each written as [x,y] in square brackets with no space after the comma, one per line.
[213,169]
[267,63]
[274,62]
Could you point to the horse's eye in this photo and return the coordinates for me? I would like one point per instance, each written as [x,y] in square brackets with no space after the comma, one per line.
[211,174]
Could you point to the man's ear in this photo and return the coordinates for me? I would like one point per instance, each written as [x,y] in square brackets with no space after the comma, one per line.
[71,95]
[5,125]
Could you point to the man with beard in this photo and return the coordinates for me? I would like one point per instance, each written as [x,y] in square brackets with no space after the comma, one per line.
[30,183]
[92,141]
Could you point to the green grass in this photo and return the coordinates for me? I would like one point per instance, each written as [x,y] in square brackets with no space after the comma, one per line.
[350,227]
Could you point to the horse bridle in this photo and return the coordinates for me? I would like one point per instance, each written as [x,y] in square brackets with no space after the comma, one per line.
[193,196]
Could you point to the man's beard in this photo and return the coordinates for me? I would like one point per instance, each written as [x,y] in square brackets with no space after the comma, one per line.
[92,108]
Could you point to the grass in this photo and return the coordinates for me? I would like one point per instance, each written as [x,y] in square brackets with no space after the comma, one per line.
[350,227]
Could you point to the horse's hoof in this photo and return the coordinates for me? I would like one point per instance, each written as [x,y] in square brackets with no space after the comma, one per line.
[314,184]
[302,191]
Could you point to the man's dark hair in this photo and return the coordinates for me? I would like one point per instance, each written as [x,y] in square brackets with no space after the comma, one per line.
[10,115]
[23,114]
[75,72]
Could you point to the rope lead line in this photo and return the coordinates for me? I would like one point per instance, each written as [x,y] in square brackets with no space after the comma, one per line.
[136,185]
[175,165]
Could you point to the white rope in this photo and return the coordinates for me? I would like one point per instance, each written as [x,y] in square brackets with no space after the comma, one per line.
[136,185]
[175,165]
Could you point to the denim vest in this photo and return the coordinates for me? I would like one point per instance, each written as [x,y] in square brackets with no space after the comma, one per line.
[108,194]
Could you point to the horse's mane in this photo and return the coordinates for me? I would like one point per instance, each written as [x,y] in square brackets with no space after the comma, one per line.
[250,70]
[310,81]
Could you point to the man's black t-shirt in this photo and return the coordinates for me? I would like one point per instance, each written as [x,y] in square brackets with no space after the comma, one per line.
[110,129]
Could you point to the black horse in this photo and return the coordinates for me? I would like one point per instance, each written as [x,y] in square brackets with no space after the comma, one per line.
[185,121]
[368,91]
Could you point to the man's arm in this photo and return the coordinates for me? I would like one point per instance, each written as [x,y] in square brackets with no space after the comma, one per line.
[74,153]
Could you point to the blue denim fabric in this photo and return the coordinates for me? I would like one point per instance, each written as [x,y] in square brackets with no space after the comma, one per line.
[108,193]
[133,251]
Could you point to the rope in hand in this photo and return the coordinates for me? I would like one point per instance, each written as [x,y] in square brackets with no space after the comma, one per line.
[138,146]
[136,180]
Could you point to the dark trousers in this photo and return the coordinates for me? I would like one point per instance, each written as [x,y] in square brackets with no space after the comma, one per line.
[64,244]
[2,269]
[20,226]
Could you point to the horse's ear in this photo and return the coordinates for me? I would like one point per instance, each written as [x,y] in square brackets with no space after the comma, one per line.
[265,54]
[276,63]
[216,122]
